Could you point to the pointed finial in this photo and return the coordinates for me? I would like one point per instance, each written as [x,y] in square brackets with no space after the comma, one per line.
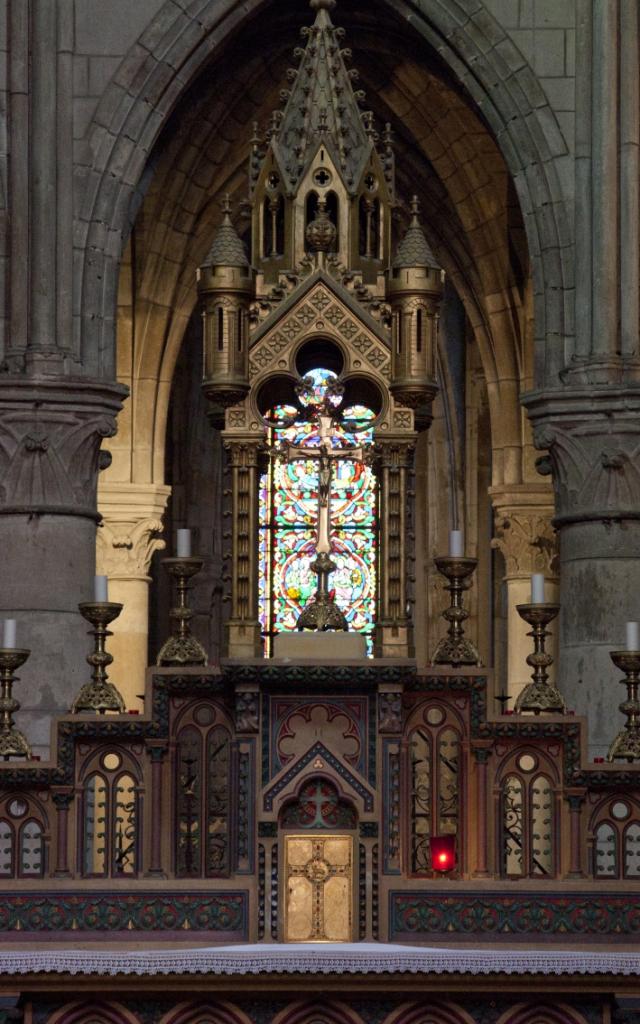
[225,206]
[415,212]
[387,138]
[322,5]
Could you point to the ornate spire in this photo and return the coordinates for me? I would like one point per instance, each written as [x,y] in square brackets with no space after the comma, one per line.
[322,105]
[414,250]
[227,248]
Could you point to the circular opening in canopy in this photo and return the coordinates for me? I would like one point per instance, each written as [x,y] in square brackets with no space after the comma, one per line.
[361,391]
[319,353]
[277,392]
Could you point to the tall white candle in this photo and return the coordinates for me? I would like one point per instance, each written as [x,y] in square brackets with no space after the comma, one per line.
[456,546]
[183,547]
[9,634]
[633,636]
[537,588]
[100,589]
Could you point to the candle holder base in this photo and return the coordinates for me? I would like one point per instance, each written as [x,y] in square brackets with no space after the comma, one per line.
[539,695]
[99,695]
[455,648]
[322,613]
[97,698]
[182,648]
[456,652]
[12,742]
[626,745]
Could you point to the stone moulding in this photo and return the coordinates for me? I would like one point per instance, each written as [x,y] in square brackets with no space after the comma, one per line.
[417,915]
[87,913]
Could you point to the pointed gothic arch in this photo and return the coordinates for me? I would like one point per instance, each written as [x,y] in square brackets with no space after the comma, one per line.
[175,46]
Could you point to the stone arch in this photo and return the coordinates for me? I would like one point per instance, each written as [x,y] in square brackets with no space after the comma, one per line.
[435,1012]
[205,1013]
[164,146]
[174,47]
[95,1011]
[541,1013]
[317,1012]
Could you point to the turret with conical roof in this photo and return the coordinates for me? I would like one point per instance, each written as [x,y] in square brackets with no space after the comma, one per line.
[322,148]
[415,293]
[225,288]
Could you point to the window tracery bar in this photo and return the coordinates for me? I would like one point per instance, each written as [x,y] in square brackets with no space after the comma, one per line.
[95,824]
[513,827]
[218,769]
[125,826]
[606,851]
[7,843]
[189,776]
[632,851]
[420,754]
[203,772]
[541,825]
[31,850]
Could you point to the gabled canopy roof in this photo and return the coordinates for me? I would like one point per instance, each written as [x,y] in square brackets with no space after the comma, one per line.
[322,105]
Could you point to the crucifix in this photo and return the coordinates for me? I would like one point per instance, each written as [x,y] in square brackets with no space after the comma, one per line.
[322,612]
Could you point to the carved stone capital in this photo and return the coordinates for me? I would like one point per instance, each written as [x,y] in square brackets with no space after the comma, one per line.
[50,436]
[394,452]
[524,532]
[593,443]
[131,528]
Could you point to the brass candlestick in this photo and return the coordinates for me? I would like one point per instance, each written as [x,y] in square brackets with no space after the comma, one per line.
[455,648]
[182,648]
[539,695]
[99,695]
[12,742]
[626,745]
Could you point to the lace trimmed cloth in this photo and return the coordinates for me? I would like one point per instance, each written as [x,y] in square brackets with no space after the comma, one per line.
[314,959]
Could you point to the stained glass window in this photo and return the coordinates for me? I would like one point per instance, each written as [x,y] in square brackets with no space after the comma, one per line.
[288,509]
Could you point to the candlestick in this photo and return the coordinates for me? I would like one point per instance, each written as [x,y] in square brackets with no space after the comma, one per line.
[537,588]
[182,648]
[456,544]
[633,636]
[539,695]
[99,695]
[100,589]
[626,745]
[9,634]
[183,544]
[12,741]
[455,648]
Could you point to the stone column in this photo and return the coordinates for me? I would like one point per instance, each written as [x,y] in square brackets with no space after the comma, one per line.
[157,752]
[241,532]
[527,540]
[50,436]
[575,799]
[589,416]
[481,753]
[129,535]
[394,630]
[593,440]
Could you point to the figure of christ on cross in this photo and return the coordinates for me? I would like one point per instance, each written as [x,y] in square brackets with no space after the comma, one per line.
[322,612]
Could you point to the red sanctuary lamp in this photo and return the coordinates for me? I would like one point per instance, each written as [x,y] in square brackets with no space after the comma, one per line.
[443,853]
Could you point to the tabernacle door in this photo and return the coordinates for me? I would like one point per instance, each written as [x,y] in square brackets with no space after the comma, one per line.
[318,888]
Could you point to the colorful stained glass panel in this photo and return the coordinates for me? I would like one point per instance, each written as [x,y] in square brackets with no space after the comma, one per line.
[288,510]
